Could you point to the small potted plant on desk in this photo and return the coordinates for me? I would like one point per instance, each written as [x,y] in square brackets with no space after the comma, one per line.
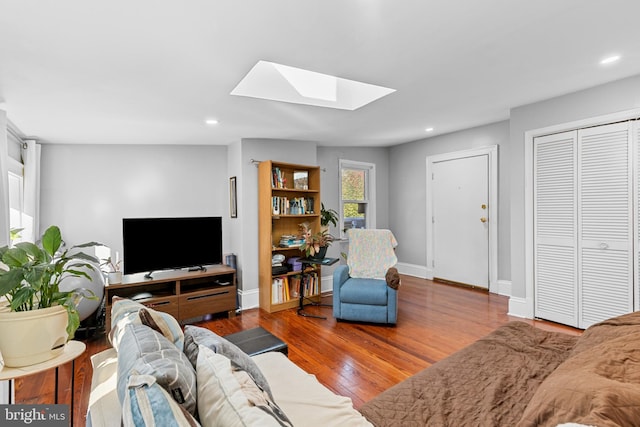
[112,268]
[36,317]
[315,245]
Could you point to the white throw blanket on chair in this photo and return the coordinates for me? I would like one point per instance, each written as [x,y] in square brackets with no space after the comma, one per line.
[371,253]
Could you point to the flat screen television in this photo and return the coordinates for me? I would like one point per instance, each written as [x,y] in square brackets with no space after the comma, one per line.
[152,244]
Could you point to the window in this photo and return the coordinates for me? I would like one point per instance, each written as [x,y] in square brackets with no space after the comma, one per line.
[18,218]
[357,195]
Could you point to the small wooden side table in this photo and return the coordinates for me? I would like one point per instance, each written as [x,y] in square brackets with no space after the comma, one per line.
[72,350]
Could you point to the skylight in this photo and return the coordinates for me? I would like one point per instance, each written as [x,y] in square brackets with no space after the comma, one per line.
[277,82]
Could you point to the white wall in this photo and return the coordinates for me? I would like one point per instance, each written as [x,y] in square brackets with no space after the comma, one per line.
[610,98]
[407,189]
[87,189]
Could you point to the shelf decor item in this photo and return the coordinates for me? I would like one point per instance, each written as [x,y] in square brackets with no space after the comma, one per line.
[301,180]
[30,283]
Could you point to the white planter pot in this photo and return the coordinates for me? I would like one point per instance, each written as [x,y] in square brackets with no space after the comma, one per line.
[30,337]
[114,277]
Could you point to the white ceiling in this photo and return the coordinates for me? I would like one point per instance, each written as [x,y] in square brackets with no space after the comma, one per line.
[151,71]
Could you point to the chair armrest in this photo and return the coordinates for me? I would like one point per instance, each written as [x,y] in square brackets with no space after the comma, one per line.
[340,275]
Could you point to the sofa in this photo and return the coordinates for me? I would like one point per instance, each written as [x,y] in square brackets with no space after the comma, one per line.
[157,373]
[517,375]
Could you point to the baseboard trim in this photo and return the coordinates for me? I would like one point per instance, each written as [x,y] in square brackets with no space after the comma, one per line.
[414,270]
[520,307]
[504,287]
[249,299]
[326,284]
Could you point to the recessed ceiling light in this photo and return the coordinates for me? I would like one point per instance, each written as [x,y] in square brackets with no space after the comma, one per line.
[428,130]
[277,82]
[610,59]
[211,122]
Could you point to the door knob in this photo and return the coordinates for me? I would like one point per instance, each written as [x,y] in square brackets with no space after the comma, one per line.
[483,219]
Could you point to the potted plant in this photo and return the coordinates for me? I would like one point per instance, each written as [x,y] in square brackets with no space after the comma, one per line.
[36,317]
[315,245]
[328,216]
[112,268]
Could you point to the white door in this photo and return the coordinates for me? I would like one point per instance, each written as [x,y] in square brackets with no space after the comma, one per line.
[583,225]
[556,228]
[605,226]
[461,220]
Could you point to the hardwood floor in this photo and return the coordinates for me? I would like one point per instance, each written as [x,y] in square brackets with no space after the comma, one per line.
[352,359]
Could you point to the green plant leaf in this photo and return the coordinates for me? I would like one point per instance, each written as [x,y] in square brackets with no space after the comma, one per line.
[31,250]
[23,299]
[10,280]
[37,274]
[82,255]
[51,240]
[15,257]
[76,273]
[88,245]
[74,321]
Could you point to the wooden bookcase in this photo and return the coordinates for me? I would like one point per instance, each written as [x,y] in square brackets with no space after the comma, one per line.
[273,225]
[183,294]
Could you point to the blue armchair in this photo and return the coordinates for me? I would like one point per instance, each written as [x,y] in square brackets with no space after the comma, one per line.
[360,291]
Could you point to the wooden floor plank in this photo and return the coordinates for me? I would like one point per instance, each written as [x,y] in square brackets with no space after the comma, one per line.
[353,359]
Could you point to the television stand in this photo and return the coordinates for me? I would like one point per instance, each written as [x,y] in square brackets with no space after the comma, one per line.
[186,295]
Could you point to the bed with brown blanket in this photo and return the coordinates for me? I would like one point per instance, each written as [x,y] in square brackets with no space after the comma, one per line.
[522,376]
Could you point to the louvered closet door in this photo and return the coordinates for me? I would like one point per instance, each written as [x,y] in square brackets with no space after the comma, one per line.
[555,228]
[605,226]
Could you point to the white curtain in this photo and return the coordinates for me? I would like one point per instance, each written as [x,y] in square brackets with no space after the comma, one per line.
[31,217]
[4,178]
[6,395]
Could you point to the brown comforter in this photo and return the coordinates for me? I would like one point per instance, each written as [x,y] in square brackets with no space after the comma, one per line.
[488,383]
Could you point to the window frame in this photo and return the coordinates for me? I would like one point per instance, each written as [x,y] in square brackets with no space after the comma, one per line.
[369,192]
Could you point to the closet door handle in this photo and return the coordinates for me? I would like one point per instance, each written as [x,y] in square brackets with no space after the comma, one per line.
[604,246]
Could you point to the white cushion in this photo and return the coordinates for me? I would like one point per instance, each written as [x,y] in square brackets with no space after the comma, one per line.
[222,398]
[305,401]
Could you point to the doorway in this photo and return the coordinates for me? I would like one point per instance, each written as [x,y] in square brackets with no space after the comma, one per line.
[461,217]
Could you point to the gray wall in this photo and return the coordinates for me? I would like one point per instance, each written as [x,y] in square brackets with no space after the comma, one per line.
[598,101]
[87,189]
[407,189]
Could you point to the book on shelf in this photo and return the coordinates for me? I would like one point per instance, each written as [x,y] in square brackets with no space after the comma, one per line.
[290,241]
[280,290]
[278,180]
[296,206]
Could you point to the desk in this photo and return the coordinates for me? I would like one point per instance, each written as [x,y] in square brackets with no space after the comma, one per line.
[304,263]
[72,350]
